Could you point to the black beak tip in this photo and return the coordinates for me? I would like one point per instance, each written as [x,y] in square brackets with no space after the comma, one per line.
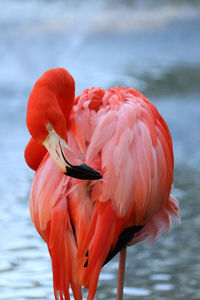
[83,172]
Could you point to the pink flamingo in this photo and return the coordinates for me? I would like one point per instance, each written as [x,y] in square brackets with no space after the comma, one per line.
[104,172]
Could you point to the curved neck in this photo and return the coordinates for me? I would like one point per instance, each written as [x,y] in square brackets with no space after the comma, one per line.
[50,101]
[62,84]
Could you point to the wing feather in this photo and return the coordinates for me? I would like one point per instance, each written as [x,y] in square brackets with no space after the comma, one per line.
[122,134]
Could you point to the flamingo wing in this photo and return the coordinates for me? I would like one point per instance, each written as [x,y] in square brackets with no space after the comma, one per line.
[123,135]
[85,223]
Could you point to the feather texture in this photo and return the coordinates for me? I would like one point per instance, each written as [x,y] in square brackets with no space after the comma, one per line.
[121,134]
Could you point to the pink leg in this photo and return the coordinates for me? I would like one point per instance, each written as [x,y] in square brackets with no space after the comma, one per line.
[121,272]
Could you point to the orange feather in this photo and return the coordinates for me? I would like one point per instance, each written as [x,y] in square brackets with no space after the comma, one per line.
[119,133]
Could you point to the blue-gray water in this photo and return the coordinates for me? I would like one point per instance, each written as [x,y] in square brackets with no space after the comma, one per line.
[153,46]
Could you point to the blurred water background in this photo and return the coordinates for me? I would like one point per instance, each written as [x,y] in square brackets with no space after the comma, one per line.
[153,46]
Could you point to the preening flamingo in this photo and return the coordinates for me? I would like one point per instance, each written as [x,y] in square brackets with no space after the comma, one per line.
[104,172]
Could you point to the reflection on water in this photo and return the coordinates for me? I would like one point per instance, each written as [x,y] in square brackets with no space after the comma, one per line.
[133,44]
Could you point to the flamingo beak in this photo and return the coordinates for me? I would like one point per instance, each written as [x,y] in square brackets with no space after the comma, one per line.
[81,171]
[54,144]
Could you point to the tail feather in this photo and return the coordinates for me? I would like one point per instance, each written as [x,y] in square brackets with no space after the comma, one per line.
[100,239]
[160,223]
[62,248]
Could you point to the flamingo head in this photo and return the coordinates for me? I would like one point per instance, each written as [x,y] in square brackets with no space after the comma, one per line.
[48,112]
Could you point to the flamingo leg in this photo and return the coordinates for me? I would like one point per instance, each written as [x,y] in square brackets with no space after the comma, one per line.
[121,273]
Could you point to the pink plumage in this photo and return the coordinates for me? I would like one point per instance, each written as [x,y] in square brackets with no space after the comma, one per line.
[122,135]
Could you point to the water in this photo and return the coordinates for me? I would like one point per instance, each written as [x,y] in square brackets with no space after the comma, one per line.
[153,46]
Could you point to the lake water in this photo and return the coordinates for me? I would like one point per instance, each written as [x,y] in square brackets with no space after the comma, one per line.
[153,46]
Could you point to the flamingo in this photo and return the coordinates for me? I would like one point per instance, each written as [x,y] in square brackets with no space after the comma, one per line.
[104,172]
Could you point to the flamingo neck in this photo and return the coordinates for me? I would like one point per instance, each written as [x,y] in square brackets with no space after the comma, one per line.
[50,101]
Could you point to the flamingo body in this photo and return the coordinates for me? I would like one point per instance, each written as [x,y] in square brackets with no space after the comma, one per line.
[121,134]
